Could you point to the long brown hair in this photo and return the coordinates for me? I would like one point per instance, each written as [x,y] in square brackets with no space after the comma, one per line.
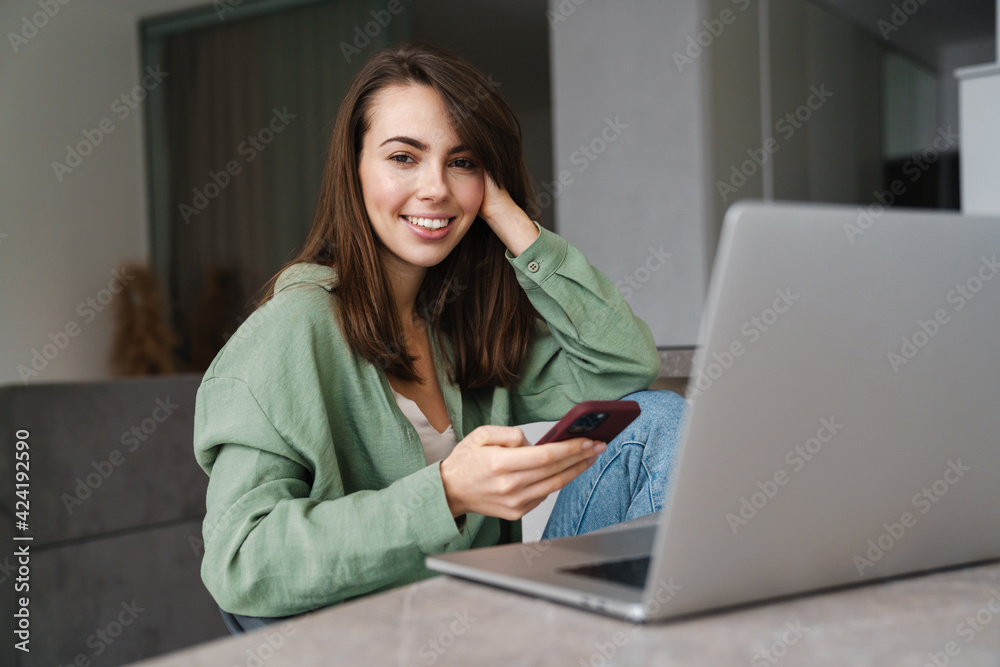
[472,296]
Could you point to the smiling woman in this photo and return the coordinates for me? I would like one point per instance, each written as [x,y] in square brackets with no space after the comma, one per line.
[421,184]
[365,419]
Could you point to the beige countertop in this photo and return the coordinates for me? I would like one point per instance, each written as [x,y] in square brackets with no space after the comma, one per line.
[444,621]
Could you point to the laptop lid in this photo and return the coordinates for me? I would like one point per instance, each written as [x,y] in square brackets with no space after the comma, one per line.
[844,418]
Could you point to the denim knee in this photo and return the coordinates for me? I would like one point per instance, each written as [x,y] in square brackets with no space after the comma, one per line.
[661,410]
[658,430]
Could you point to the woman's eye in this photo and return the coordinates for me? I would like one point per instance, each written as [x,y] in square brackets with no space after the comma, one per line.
[402,158]
[463,163]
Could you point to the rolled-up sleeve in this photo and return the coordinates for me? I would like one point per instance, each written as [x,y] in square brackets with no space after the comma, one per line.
[589,345]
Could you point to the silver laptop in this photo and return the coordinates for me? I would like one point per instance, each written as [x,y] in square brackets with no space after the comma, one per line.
[843,423]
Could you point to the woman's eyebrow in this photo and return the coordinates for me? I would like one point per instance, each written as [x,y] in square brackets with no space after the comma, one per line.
[419,145]
[409,141]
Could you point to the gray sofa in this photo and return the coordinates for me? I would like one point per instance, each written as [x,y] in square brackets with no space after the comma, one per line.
[116,504]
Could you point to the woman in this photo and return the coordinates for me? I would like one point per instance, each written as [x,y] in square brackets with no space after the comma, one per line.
[360,419]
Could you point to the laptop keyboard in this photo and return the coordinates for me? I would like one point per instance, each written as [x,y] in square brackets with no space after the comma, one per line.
[630,572]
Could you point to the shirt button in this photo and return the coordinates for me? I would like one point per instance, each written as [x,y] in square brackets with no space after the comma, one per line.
[533,267]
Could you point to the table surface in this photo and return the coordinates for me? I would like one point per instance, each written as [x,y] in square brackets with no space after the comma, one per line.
[443,621]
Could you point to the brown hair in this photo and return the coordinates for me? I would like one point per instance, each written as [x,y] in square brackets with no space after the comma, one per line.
[473,295]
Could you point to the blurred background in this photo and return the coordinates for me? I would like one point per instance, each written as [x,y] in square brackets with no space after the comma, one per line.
[638,119]
[160,160]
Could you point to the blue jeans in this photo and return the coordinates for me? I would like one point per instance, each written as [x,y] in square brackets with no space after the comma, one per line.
[631,478]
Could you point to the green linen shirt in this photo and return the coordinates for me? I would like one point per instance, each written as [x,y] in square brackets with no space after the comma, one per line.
[318,488]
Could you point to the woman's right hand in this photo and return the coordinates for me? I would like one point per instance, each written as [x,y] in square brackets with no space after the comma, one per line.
[495,471]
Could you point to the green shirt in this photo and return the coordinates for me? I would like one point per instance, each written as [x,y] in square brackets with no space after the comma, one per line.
[318,488]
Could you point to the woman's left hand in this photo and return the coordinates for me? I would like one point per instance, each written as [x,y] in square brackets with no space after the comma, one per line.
[507,220]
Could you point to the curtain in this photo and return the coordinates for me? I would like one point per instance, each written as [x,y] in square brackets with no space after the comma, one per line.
[247,111]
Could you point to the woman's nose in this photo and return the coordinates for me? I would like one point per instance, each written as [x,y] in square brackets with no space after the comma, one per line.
[432,183]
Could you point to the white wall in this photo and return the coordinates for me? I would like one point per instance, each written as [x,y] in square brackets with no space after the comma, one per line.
[646,186]
[980,142]
[950,58]
[64,239]
[978,91]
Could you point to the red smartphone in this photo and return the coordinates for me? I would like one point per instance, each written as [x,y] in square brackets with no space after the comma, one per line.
[597,420]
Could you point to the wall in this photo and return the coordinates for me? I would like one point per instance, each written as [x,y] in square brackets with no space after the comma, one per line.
[63,239]
[735,84]
[482,31]
[950,58]
[631,147]
[60,241]
[910,104]
[979,96]
[830,149]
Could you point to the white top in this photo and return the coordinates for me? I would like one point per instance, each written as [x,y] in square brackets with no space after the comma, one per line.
[437,446]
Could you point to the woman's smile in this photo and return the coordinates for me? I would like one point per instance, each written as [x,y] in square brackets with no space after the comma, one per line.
[422,188]
[429,227]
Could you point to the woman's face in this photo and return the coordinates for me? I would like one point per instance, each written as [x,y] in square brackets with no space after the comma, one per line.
[422,189]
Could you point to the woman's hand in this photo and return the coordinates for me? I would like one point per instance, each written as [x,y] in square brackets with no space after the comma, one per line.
[494,471]
[506,218]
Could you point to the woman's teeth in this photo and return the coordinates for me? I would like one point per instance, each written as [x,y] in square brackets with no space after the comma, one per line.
[428,223]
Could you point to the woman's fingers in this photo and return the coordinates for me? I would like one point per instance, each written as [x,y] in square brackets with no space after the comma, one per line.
[501,436]
[526,457]
[493,472]
[552,456]
[491,185]
[543,487]
[530,476]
